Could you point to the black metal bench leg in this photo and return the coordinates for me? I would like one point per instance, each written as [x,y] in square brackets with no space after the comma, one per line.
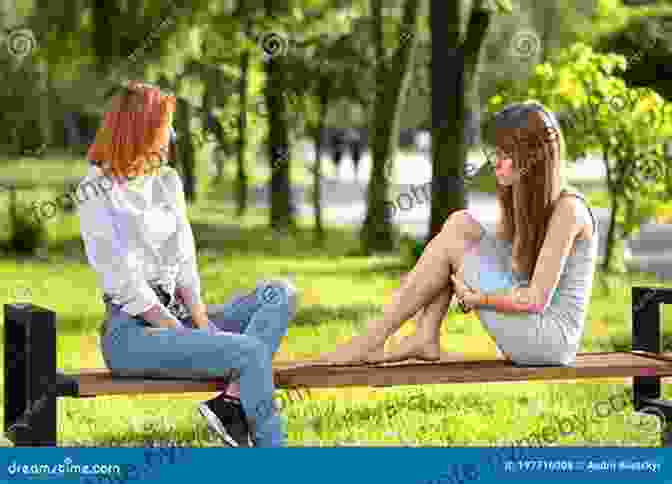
[646,332]
[666,436]
[31,391]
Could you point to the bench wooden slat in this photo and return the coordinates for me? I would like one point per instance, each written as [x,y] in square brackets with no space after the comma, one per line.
[100,381]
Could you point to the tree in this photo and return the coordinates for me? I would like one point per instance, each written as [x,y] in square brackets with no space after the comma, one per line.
[392,74]
[453,86]
[329,71]
[241,175]
[628,127]
[647,43]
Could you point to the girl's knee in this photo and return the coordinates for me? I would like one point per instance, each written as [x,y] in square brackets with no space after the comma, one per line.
[463,223]
[254,351]
[280,292]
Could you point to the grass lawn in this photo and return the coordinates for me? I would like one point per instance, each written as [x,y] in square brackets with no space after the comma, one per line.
[339,294]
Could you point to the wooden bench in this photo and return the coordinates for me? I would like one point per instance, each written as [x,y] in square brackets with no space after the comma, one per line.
[33,383]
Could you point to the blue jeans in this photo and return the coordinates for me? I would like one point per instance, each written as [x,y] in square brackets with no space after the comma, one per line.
[251,326]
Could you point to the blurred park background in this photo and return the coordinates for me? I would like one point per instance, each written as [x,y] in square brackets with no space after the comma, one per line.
[303,127]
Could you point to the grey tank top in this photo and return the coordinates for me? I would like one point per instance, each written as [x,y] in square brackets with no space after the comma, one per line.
[569,303]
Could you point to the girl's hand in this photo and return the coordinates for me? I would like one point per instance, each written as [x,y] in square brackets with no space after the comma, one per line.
[206,325]
[199,315]
[201,323]
[467,296]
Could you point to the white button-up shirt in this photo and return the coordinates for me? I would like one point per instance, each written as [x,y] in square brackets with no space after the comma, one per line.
[136,232]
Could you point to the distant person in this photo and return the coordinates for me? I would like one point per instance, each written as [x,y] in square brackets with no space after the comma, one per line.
[338,147]
[356,145]
[73,138]
[423,141]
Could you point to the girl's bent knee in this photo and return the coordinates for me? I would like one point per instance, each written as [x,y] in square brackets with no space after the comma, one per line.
[464,223]
[255,351]
[280,291]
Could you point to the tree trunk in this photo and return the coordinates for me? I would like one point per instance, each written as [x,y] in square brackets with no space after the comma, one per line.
[391,84]
[45,122]
[207,105]
[453,87]
[241,176]
[449,152]
[607,263]
[279,153]
[105,16]
[317,169]
[185,149]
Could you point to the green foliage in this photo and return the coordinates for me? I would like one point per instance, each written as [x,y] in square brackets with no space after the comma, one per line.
[647,42]
[26,234]
[504,6]
[628,126]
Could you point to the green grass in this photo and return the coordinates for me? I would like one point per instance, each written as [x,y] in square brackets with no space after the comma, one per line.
[339,294]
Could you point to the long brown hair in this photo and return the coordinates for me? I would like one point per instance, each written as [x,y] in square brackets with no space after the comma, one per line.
[531,135]
[135,133]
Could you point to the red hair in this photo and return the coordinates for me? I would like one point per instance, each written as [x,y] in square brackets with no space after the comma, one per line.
[135,133]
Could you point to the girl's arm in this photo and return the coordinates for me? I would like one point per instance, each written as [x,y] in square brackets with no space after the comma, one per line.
[188,282]
[159,315]
[564,226]
[111,255]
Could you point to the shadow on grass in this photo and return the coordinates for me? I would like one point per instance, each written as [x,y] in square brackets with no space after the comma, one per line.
[162,435]
[79,326]
[317,314]
[233,240]
[309,316]
[389,269]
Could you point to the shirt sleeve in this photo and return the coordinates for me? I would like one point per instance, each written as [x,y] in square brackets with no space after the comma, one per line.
[113,257]
[187,281]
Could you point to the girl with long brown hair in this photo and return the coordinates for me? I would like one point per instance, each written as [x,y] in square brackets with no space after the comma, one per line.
[530,281]
[138,239]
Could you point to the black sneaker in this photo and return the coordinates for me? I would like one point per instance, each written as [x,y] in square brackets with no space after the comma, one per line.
[226,417]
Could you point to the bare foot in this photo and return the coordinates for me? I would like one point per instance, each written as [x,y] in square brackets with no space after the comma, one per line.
[414,347]
[359,350]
